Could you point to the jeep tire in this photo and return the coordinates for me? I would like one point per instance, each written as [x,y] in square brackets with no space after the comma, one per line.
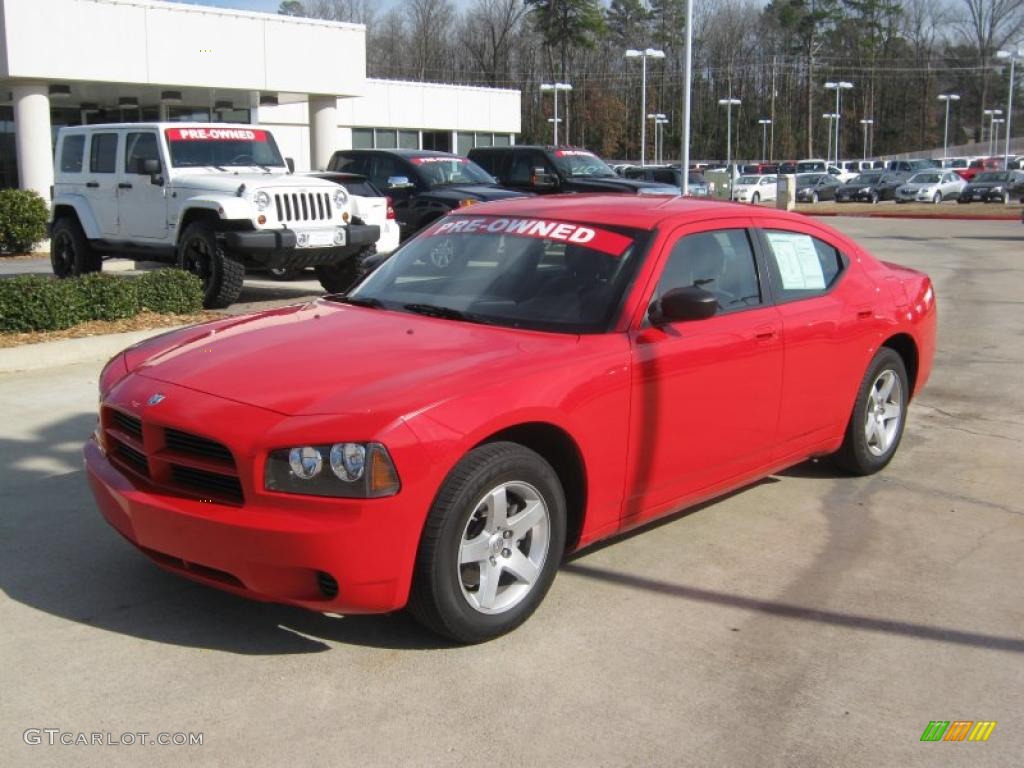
[71,254]
[344,275]
[200,253]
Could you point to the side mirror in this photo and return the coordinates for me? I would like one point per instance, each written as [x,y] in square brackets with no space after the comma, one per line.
[399,182]
[681,304]
[150,167]
[290,162]
[541,179]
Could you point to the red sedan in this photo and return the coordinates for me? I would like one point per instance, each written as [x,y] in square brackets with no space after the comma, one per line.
[520,380]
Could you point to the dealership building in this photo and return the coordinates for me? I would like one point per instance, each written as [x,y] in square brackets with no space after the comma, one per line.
[73,62]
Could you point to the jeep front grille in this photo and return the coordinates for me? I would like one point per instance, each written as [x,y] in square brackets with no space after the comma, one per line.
[303,206]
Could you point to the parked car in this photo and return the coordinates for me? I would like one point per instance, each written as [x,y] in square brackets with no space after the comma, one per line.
[870,186]
[210,198]
[575,370]
[930,187]
[955,163]
[662,174]
[907,168]
[994,187]
[789,167]
[754,189]
[814,187]
[547,170]
[980,165]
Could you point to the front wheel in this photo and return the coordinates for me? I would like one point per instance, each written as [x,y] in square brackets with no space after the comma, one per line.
[755,198]
[814,197]
[937,198]
[874,198]
[201,254]
[876,425]
[345,275]
[491,544]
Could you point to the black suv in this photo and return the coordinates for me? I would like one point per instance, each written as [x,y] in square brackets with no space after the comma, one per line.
[422,185]
[558,169]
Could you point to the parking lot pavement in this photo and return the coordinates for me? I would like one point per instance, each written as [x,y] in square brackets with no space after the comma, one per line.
[808,620]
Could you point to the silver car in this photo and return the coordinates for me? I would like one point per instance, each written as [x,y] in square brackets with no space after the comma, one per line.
[930,187]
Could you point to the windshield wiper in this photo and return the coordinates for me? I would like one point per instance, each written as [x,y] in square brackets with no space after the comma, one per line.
[356,301]
[447,313]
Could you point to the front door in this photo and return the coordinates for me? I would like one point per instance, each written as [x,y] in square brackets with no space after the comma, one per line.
[143,205]
[706,393]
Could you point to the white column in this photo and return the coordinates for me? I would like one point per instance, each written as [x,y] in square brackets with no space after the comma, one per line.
[32,138]
[323,130]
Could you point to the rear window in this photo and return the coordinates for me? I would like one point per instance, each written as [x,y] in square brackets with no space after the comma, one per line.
[72,152]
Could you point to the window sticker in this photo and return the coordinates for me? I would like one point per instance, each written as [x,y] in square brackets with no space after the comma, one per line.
[427,160]
[215,134]
[610,243]
[798,261]
[573,153]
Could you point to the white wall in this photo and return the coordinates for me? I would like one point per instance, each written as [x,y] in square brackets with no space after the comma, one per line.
[185,45]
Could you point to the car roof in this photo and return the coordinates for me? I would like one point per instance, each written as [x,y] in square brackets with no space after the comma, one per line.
[399,152]
[618,210]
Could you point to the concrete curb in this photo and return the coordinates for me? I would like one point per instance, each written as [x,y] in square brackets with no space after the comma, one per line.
[51,354]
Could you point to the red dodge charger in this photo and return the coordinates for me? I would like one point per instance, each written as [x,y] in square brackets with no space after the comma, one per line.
[520,380]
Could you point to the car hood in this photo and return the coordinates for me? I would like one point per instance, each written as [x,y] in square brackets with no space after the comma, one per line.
[919,185]
[481,192]
[330,358]
[618,184]
[215,181]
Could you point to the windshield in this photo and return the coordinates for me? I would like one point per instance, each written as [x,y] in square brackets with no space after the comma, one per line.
[810,165]
[439,170]
[579,162]
[867,178]
[696,178]
[222,147]
[992,176]
[521,273]
[747,180]
[787,168]
[809,180]
[924,178]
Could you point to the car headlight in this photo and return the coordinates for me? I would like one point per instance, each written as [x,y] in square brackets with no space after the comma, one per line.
[343,470]
[340,197]
[261,200]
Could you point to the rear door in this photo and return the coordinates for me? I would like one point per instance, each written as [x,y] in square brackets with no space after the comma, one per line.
[101,181]
[705,394]
[142,204]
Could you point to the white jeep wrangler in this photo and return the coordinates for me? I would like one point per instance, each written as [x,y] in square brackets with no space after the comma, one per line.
[210,198]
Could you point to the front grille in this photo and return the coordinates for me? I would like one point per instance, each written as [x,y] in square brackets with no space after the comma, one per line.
[303,206]
[218,486]
[173,460]
[134,459]
[183,442]
[130,425]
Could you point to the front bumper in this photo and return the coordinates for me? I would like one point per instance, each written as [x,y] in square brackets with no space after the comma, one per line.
[273,248]
[981,196]
[848,197]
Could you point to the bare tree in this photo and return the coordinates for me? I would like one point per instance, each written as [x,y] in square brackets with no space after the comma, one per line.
[989,25]
[487,34]
[355,11]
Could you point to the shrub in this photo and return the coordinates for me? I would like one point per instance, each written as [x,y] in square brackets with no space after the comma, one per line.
[23,219]
[38,303]
[170,291]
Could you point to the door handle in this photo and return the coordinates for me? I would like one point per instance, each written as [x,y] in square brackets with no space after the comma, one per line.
[92,184]
[125,185]
[865,313]
[764,333]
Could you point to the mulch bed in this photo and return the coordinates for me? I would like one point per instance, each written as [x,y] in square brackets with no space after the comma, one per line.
[142,322]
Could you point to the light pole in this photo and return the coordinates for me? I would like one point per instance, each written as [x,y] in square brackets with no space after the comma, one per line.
[684,150]
[643,56]
[555,88]
[866,122]
[661,123]
[992,114]
[657,118]
[947,97]
[765,122]
[996,122]
[830,116]
[838,87]
[728,103]
[1014,57]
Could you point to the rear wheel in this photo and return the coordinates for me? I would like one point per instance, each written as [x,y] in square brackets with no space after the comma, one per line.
[71,254]
[876,425]
[201,254]
[491,544]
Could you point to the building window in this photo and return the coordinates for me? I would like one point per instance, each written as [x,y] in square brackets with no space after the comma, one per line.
[463,143]
[362,138]
[438,141]
[385,138]
[484,140]
[71,154]
[188,115]
[502,140]
[409,139]
[103,153]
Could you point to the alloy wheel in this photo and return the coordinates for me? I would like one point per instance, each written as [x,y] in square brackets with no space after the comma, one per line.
[63,255]
[884,412]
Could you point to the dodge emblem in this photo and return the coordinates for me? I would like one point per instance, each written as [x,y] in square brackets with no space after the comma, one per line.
[155,399]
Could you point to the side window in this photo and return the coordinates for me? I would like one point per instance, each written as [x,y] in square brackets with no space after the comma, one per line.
[487,160]
[721,262]
[138,148]
[801,266]
[382,168]
[71,154]
[349,164]
[521,169]
[103,153]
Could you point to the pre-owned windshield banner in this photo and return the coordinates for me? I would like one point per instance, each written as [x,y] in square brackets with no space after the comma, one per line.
[216,134]
[611,243]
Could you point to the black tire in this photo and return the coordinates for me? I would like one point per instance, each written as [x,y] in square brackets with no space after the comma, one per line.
[874,198]
[284,273]
[440,599]
[200,253]
[814,197]
[856,454]
[345,275]
[755,198]
[937,198]
[71,254]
